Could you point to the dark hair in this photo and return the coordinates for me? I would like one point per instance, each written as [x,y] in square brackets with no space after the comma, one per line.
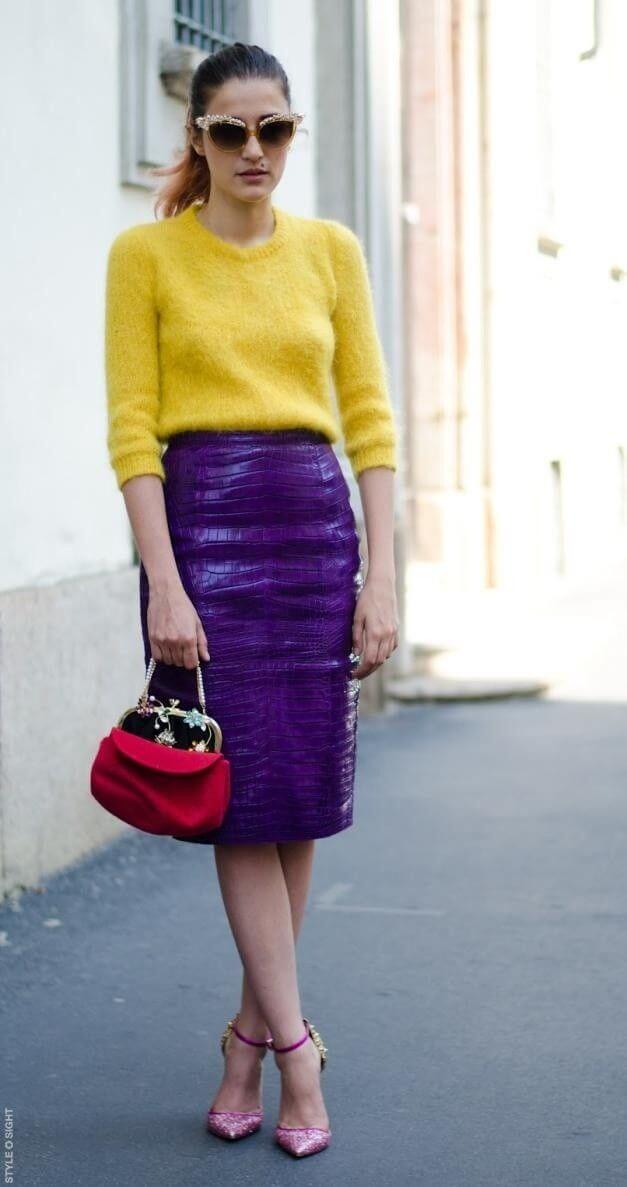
[189,179]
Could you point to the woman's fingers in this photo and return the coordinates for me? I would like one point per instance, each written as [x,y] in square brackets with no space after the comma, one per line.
[358,630]
[175,631]
[387,644]
[188,655]
[374,638]
[201,639]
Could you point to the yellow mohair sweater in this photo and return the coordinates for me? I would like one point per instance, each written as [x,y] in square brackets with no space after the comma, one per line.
[203,334]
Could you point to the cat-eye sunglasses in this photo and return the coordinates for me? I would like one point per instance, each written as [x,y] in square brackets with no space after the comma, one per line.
[229,133]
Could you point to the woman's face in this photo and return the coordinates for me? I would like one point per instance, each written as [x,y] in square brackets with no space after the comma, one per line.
[249,99]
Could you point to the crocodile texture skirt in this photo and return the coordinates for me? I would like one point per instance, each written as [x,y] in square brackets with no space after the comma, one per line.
[266,545]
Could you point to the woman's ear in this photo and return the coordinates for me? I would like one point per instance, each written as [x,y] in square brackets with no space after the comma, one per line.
[195,137]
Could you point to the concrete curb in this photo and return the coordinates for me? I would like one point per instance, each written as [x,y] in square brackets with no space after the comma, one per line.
[440,688]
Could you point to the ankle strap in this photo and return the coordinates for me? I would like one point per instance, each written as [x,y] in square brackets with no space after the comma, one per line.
[292,1046]
[251,1042]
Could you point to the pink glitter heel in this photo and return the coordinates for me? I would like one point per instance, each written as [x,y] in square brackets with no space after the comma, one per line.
[303,1139]
[229,1123]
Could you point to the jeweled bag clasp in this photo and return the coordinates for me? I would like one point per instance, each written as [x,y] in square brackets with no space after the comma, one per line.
[170,725]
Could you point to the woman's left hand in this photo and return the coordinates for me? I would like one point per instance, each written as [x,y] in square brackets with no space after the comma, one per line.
[375,624]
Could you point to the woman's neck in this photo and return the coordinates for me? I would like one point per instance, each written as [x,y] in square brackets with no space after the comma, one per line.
[241,224]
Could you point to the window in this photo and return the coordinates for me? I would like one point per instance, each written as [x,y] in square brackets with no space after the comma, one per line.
[206,24]
[558,564]
[586,13]
[546,119]
[622,486]
[161,44]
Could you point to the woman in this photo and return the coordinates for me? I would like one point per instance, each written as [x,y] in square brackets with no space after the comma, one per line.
[225,320]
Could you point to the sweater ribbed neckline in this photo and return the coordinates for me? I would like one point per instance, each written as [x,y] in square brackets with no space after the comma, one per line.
[215,243]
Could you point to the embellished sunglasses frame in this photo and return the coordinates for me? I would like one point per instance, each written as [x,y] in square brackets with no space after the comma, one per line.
[206,121]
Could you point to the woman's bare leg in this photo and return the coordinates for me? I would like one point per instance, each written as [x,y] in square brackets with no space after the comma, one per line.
[297,862]
[265,919]
[301,1101]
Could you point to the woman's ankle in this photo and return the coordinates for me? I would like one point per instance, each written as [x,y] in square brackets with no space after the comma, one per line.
[293,1063]
[253,1027]
[292,1036]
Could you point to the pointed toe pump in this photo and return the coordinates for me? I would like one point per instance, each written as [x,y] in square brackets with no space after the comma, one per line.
[229,1123]
[303,1139]
[306,1140]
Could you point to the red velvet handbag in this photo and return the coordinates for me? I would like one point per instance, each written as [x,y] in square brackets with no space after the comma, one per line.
[161,769]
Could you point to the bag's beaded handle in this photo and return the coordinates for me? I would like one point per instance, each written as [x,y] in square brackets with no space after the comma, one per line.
[199,681]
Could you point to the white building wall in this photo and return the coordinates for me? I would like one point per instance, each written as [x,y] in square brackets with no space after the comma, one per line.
[558,364]
[518,374]
[61,201]
[70,647]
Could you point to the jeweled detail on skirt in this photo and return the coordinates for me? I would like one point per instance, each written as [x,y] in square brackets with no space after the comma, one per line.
[265,541]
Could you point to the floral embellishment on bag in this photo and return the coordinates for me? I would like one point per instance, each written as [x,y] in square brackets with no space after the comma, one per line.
[166,737]
[167,719]
[163,714]
[194,718]
[144,708]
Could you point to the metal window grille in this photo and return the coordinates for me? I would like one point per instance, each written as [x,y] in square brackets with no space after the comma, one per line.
[207,24]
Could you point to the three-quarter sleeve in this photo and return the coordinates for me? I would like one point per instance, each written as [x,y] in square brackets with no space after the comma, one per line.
[359,370]
[132,360]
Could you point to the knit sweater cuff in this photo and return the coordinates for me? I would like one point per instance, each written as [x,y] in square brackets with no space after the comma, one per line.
[137,463]
[373,455]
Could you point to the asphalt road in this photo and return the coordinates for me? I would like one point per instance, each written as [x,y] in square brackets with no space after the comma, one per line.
[463,956]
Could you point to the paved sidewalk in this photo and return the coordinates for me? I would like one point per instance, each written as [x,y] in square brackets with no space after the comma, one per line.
[463,957]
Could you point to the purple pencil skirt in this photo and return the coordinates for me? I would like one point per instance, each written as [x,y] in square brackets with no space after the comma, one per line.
[266,545]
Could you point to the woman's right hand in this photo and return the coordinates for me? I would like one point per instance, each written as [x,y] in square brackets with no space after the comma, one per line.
[174,628]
